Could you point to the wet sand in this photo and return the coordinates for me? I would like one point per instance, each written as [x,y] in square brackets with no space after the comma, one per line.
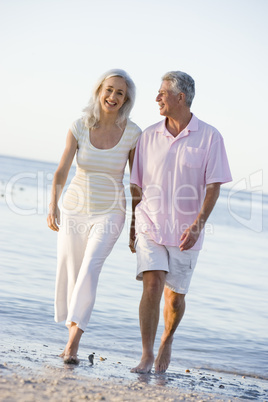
[53,385]
[33,371]
[108,380]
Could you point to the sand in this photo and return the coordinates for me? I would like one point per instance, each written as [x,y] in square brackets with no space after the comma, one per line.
[69,387]
[63,384]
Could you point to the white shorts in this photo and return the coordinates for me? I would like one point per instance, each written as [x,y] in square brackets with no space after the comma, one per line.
[178,264]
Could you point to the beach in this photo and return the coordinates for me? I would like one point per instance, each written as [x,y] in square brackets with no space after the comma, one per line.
[64,384]
[69,387]
[219,351]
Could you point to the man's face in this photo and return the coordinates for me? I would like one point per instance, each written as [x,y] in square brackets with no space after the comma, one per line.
[167,100]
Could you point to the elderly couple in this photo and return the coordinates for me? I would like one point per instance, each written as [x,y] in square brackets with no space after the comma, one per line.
[177,166]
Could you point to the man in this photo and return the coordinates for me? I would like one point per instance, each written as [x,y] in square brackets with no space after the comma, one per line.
[179,166]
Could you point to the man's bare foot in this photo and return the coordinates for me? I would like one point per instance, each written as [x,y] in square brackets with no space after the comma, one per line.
[145,365]
[163,358]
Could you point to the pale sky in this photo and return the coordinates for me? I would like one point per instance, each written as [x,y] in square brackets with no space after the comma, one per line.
[52,52]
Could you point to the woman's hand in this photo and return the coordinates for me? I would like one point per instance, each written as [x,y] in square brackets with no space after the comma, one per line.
[59,180]
[53,218]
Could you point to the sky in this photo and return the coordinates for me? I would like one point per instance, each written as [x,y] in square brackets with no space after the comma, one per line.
[53,51]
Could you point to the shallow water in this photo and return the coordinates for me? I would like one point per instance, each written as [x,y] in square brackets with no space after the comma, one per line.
[223,332]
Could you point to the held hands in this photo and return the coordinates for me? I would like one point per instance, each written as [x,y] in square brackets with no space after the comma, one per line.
[53,218]
[189,237]
[132,239]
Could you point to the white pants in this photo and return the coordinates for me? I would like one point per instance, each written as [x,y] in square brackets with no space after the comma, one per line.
[84,242]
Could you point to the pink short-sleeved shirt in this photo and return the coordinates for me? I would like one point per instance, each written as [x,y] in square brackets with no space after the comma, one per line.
[173,174]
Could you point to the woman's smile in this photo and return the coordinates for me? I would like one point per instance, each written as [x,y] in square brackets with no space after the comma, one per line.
[113,94]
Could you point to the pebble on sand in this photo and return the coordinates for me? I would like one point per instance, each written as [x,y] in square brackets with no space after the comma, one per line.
[91,358]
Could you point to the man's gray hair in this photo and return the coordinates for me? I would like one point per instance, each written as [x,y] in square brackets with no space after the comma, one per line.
[181,82]
[91,115]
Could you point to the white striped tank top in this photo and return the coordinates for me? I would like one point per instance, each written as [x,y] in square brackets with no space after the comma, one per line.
[97,187]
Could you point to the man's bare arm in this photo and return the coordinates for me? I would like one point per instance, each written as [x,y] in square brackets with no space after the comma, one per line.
[190,235]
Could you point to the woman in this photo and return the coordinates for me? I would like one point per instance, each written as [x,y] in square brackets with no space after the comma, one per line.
[93,210]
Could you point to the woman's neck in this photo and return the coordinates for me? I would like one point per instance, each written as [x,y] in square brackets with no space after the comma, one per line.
[108,120]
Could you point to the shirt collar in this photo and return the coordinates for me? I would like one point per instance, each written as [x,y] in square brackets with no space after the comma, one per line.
[192,126]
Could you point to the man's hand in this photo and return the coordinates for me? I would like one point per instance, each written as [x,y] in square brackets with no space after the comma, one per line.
[189,237]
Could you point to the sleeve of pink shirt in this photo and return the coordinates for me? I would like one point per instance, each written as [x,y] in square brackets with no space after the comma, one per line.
[217,170]
[136,173]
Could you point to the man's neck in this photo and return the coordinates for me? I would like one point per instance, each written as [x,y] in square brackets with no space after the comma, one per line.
[176,125]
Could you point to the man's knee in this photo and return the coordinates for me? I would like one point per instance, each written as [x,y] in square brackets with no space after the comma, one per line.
[153,282]
[175,301]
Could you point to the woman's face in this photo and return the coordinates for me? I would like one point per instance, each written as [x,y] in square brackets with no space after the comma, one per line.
[113,94]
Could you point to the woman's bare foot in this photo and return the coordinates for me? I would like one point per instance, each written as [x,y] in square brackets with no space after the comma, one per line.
[163,358]
[62,354]
[70,353]
[71,360]
[145,365]
[71,349]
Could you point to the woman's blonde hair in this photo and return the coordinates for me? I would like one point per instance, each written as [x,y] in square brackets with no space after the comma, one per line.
[91,113]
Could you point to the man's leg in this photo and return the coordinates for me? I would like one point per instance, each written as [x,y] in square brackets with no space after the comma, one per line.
[173,312]
[153,284]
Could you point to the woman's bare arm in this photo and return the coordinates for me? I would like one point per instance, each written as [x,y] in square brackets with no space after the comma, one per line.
[59,180]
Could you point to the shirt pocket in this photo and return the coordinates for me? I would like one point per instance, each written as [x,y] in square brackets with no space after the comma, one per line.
[193,157]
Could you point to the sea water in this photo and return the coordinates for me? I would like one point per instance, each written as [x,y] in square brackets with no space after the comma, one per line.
[224,329]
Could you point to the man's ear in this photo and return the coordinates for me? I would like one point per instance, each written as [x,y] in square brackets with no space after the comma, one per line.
[181,97]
